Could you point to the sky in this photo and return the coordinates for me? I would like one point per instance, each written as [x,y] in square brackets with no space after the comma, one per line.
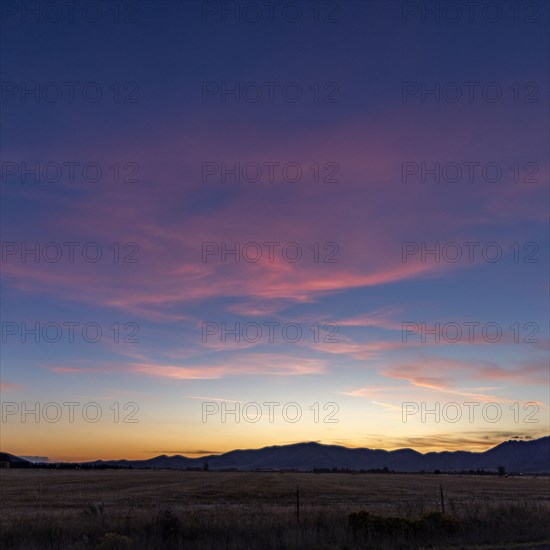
[241,224]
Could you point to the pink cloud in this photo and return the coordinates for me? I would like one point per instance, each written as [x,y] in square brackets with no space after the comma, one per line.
[170,271]
[439,378]
[382,318]
[253,364]
[10,386]
[443,375]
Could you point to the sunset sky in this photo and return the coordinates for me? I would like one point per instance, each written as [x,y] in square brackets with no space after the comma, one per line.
[186,91]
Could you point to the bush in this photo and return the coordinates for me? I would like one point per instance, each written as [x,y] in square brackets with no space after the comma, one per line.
[94,510]
[436,523]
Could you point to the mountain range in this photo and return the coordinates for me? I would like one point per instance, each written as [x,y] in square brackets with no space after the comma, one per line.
[531,456]
[515,456]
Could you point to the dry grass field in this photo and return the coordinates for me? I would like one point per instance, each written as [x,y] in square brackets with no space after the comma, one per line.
[138,509]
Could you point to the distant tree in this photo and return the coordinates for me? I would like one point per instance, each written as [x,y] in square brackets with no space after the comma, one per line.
[205,467]
[501,471]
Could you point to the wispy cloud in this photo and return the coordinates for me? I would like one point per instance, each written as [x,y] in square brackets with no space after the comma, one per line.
[252,364]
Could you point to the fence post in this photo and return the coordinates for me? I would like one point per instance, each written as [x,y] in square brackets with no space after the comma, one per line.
[297,503]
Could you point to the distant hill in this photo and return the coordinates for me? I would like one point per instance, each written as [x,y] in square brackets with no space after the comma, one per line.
[516,456]
[36,459]
[12,461]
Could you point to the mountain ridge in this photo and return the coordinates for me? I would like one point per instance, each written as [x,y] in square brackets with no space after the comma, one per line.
[517,456]
[531,456]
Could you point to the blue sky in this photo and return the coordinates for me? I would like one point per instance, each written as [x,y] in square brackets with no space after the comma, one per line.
[150,139]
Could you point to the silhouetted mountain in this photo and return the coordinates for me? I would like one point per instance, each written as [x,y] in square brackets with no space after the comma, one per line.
[516,456]
[11,461]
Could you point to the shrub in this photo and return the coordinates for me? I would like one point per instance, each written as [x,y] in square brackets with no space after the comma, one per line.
[436,523]
[94,509]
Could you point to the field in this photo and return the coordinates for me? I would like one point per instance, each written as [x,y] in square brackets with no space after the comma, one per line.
[116,509]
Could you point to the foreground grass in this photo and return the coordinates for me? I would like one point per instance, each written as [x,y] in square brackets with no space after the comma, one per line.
[105,510]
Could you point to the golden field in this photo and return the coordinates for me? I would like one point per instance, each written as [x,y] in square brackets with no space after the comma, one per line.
[116,509]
